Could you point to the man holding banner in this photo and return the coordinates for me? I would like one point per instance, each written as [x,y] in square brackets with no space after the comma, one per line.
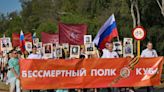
[109,53]
[149,52]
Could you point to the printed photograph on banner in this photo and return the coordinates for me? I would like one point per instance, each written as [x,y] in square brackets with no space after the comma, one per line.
[28,46]
[35,41]
[6,43]
[74,51]
[117,47]
[58,52]
[47,50]
[128,47]
[87,39]
[89,48]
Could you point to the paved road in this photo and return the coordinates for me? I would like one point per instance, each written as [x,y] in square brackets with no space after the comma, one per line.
[4,87]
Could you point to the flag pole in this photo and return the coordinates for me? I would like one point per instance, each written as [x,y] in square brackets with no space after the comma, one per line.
[138,48]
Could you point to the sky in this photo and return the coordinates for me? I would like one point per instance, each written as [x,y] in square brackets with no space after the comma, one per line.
[8,6]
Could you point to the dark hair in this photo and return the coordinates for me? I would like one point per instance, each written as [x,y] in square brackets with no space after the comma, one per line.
[33,46]
[12,50]
[149,42]
[19,52]
[108,43]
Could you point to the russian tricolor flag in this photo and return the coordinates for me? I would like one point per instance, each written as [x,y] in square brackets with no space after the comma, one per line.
[22,42]
[106,33]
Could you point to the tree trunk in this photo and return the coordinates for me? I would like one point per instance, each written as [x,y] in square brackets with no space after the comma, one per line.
[161,6]
[132,13]
[134,5]
[138,13]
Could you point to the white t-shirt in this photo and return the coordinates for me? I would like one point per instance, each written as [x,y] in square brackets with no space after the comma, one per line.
[108,54]
[149,53]
[34,56]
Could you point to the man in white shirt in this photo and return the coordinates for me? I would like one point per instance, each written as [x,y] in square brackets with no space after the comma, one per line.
[34,54]
[149,52]
[108,51]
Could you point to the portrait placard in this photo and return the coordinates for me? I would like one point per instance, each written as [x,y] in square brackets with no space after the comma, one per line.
[87,39]
[117,47]
[90,48]
[74,51]
[39,45]
[128,47]
[65,46]
[58,52]
[28,46]
[47,50]
[35,41]
[6,44]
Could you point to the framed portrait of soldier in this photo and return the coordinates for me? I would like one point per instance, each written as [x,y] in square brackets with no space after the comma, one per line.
[6,44]
[39,45]
[87,39]
[128,47]
[35,41]
[5,52]
[47,50]
[28,46]
[58,52]
[74,51]
[65,46]
[117,47]
[89,48]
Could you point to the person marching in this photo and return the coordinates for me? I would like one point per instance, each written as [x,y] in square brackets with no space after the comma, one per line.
[34,55]
[149,52]
[14,74]
[109,53]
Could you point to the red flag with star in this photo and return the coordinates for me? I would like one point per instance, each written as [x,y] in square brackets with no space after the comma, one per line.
[72,33]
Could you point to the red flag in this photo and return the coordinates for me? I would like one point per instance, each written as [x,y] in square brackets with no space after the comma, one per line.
[16,38]
[72,33]
[50,38]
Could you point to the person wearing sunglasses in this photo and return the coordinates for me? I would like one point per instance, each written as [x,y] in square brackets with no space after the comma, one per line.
[14,72]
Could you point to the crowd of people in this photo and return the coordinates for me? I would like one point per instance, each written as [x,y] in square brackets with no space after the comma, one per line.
[9,65]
